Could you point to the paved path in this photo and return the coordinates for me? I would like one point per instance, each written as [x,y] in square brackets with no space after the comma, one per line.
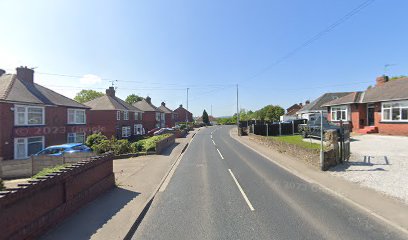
[112,215]
[223,190]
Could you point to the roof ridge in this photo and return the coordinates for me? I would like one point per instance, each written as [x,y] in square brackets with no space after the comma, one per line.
[13,80]
[49,89]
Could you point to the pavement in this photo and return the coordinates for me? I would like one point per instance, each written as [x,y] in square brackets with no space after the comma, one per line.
[112,215]
[223,189]
[378,162]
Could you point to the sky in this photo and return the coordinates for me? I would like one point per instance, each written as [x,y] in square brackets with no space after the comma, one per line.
[160,48]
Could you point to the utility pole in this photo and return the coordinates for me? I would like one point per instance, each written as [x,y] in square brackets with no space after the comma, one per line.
[237,111]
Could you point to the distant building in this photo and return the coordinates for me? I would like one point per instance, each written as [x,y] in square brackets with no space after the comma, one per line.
[114,117]
[291,112]
[169,115]
[182,115]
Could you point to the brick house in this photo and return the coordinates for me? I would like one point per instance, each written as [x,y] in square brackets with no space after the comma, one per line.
[381,109]
[183,114]
[310,110]
[291,112]
[152,116]
[33,117]
[113,117]
[169,115]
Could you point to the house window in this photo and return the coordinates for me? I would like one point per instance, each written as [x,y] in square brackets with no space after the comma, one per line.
[28,115]
[158,117]
[138,129]
[126,132]
[118,115]
[339,113]
[136,116]
[25,147]
[76,137]
[76,116]
[125,115]
[395,111]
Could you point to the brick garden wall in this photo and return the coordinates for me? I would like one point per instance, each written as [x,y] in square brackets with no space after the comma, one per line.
[165,143]
[31,210]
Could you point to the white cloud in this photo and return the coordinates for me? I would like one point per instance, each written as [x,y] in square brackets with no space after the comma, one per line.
[90,79]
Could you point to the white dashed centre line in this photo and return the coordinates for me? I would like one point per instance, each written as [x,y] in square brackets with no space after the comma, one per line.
[242,191]
[213,142]
[220,154]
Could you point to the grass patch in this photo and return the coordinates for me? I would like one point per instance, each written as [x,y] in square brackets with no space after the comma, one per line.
[46,171]
[297,140]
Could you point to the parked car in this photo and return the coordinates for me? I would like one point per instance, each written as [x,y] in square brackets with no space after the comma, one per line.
[164,130]
[68,148]
[312,127]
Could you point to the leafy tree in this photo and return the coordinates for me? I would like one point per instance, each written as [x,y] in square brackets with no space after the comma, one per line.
[132,98]
[87,95]
[206,120]
[273,113]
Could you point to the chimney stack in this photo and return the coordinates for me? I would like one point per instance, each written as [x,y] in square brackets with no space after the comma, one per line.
[381,80]
[110,92]
[307,102]
[301,104]
[148,99]
[2,72]
[25,74]
[163,104]
[181,105]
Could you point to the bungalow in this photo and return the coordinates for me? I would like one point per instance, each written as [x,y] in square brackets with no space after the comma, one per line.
[169,115]
[152,116]
[309,110]
[291,112]
[183,115]
[114,117]
[381,109]
[33,117]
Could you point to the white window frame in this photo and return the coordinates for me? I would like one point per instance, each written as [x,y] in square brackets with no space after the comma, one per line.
[158,116]
[341,108]
[26,108]
[26,146]
[391,110]
[75,136]
[138,129]
[126,131]
[126,115]
[118,115]
[75,110]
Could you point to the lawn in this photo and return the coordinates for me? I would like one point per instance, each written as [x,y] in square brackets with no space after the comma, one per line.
[297,140]
[46,171]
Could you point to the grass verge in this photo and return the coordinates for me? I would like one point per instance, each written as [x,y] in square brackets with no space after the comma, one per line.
[297,140]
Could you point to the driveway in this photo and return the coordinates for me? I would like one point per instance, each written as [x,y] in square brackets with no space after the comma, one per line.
[379,162]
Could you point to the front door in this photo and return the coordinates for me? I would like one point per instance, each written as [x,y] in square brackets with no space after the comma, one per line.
[370,115]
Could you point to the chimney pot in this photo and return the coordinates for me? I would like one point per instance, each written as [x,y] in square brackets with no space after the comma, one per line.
[110,91]
[148,99]
[381,80]
[307,102]
[181,105]
[25,74]
[163,104]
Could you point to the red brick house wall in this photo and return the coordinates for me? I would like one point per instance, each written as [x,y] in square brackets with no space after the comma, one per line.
[55,130]
[169,120]
[181,115]
[149,120]
[359,120]
[105,121]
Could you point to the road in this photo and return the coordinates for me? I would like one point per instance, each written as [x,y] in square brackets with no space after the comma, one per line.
[224,190]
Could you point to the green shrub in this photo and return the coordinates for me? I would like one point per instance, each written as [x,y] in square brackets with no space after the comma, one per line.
[94,139]
[148,144]
[137,146]
[103,146]
[121,147]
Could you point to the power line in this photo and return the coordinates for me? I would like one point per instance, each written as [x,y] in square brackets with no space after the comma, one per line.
[317,36]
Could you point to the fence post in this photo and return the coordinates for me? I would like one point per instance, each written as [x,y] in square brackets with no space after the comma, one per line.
[267,130]
[293,127]
[280,129]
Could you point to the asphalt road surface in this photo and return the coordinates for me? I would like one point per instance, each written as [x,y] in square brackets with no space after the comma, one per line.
[224,190]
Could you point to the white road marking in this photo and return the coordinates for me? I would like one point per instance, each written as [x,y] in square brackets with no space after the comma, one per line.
[211,136]
[242,191]
[213,142]
[220,154]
